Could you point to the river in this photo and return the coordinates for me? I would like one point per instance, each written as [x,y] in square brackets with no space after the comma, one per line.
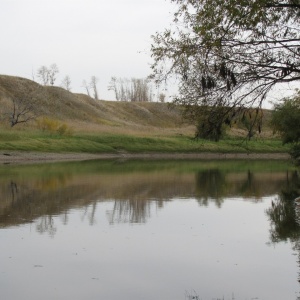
[150,230]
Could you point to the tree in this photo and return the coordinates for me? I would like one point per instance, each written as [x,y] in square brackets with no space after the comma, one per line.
[43,75]
[93,84]
[122,88]
[22,112]
[134,89]
[48,75]
[86,87]
[286,121]
[53,71]
[66,83]
[113,87]
[205,123]
[24,102]
[229,54]
[162,97]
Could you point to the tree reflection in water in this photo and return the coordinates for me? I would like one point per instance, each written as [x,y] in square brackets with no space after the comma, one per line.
[211,185]
[46,224]
[38,193]
[214,185]
[131,192]
[130,211]
[284,215]
[90,212]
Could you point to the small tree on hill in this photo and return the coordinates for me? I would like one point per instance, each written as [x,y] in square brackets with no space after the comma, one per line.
[93,85]
[86,87]
[48,75]
[134,89]
[43,75]
[53,71]
[66,83]
[162,97]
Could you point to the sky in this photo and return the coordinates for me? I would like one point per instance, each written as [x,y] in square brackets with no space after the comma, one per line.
[84,38]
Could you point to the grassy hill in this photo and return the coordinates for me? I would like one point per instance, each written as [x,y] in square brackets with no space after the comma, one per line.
[107,126]
[85,114]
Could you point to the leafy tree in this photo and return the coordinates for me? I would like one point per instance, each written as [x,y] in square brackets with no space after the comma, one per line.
[229,54]
[204,120]
[286,121]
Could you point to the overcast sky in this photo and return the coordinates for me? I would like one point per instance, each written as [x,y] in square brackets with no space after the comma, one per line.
[85,38]
[103,38]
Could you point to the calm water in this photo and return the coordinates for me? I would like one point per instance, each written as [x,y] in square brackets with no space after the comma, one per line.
[149,230]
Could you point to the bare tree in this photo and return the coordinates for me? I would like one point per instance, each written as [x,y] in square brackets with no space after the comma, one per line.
[86,87]
[24,103]
[113,86]
[48,75]
[53,71]
[134,89]
[93,84]
[33,74]
[46,224]
[141,90]
[66,83]
[20,113]
[43,75]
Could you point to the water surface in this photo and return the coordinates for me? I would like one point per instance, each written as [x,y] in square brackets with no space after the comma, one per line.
[149,230]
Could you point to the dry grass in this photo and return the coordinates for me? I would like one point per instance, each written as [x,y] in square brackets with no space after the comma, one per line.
[85,115]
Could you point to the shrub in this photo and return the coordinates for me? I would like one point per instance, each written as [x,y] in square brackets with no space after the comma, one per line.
[286,121]
[53,126]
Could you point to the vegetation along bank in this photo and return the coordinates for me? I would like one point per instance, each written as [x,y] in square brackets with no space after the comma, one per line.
[48,119]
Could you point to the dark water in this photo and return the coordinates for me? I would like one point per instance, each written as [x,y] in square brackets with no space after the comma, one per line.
[149,230]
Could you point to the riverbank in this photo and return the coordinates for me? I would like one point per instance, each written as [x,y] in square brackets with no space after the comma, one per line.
[19,157]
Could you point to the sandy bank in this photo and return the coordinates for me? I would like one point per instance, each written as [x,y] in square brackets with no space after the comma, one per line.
[16,157]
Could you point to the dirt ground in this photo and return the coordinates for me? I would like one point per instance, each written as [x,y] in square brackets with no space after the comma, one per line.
[17,157]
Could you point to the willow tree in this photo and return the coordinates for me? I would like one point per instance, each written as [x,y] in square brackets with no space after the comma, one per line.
[229,55]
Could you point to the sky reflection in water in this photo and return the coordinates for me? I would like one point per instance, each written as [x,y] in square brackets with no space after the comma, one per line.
[149,230]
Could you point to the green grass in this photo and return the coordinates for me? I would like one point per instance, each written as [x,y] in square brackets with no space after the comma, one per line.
[112,143]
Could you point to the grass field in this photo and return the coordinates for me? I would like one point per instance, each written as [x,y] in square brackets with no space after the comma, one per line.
[33,140]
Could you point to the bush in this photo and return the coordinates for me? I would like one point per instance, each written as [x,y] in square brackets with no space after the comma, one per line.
[210,125]
[295,153]
[209,131]
[285,120]
[53,126]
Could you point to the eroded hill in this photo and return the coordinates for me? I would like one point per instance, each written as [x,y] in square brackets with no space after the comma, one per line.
[83,113]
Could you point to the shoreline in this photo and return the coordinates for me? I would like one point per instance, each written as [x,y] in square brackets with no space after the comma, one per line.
[19,157]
